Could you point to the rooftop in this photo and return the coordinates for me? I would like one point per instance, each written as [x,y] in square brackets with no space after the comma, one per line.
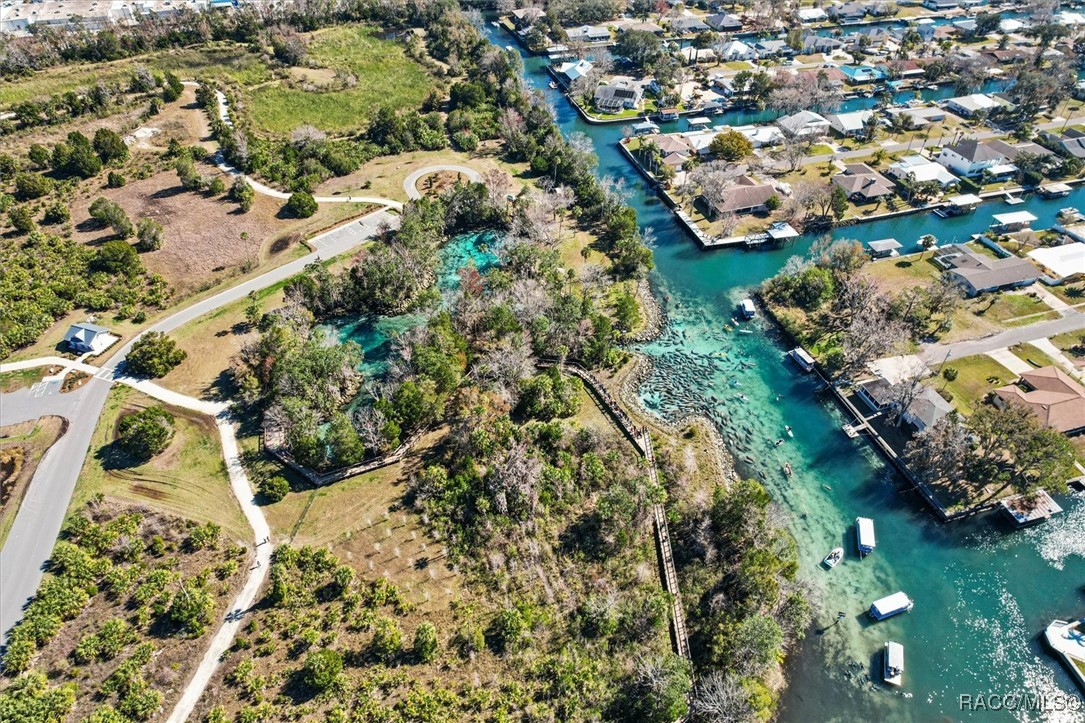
[1056,399]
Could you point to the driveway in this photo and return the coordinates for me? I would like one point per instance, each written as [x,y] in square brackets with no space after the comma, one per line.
[41,514]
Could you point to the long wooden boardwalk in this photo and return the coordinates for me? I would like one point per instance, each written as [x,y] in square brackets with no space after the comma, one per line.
[642,441]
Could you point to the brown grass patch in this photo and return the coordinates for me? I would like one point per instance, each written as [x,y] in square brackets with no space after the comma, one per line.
[22,447]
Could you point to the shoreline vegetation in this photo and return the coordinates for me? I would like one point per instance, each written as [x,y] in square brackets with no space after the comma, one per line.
[536,514]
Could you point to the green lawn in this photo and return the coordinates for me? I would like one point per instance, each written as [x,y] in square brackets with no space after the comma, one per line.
[897,274]
[1070,341]
[188,479]
[1032,355]
[976,376]
[1003,307]
[10,381]
[385,75]
[231,61]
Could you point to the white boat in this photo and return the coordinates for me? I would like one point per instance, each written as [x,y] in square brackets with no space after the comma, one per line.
[891,605]
[747,309]
[893,663]
[787,428]
[1055,190]
[864,535]
[802,357]
[835,555]
[745,331]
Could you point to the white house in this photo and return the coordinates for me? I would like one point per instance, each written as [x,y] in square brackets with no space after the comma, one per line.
[920,170]
[805,123]
[84,338]
[812,15]
[589,34]
[968,105]
[735,50]
[851,124]
[574,71]
[971,158]
[761,136]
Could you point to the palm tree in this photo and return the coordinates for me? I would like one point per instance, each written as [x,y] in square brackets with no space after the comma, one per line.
[927,241]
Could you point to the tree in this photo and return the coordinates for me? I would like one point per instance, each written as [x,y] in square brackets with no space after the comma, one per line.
[639,47]
[110,214]
[426,644]
[242,193]
[322,669]
[731,146]
[149,234]
[109,146]
[192,609]
[172,87]
[928,241]
[387,639]
[39,156]
[145,433]
[29,186]
[720,697]
[301,205]
[838,202]
[78,156]
[1013,448]
[117,257]
[659,689]
[22,219]
[274,488]
[154,354]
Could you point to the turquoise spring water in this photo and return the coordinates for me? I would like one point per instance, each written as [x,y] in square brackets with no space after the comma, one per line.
[983,592]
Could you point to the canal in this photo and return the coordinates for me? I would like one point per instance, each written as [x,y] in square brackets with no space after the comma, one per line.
[983,593]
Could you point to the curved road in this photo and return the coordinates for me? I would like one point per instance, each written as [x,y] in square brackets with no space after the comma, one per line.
[410,184]
[41,515]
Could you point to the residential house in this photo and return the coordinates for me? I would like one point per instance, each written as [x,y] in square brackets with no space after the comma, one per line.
[814,43]
[920,117]
[812,15]
[588,34]
[735,50]
[978,273]
[972,159]
[688,26]
[772,48]
[803,124]
[862,74]
[643,27]
[863,184]
[926,409]
[88,338]
[746,196]
[1012,151]
[1070,143]
[573,71]
[917,169]
[849,125]
[724,22]
[616,97]
[903,69]
[831,76]
[941,5]
[878,393]
[849,12]
[1010,56]
[967,106]
[1065,262]
[1056,399]
[526,17]
[761,136]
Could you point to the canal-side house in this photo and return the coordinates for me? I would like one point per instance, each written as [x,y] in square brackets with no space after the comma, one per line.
[1070,142]
[526,17]
[968,106]
[724,22]
[735,50]
[831,76]
[570,72]
[972,159]
[917,169]
[849,125]
[1056,399]
[878,394]
[746,196]
[863,184]
[619,96]
[804,124]
[687,26]
[814,43]
[926,409]
[773,48]
[588,34]
[979,274]
[645,27]
[811,15]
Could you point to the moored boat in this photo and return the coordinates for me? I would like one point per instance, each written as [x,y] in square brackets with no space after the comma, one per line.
[864,535]
[1054,190]
[893,663]
[802,358]
[891,605]
[835,555]
[787,469]
[747,309]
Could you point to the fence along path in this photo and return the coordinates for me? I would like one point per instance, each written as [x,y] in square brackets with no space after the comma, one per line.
[642,441]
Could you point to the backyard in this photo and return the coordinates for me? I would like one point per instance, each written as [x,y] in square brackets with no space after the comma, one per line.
[976,377]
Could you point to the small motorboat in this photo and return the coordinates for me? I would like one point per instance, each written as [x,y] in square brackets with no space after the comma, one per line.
[779,442]
[743,397]
[787,469]
[787,428]
[834,556]
[745,331]
[553,85]
[728,327]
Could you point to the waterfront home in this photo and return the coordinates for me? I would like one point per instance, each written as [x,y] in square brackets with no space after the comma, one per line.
[967,106]
[1008,57]
[849,125]
[941,5]
[736,50]
[1065,263]
[687,26]
[1011,222]
[877,393]
[724,22]
[588,34]
[86,338]
[616,97]
[1070,142]
[884,248]
[863,184]
[804,124]
[814,43]
[831,76]
[772,48]
[926,409]
[920,117]
[862,74]
[971,158]
[978,273]
[761,136]
[1056,399]
[643,27]
[811,15]
[904,69]
[698,55]
[917,169]
[746,196]
[850,12]
[572,71]
[526,17]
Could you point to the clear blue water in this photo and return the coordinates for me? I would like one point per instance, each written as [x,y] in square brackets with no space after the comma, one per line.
[983,593]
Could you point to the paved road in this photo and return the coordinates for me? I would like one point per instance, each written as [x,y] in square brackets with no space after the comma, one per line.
[936,353]
[410,184]
[41,514]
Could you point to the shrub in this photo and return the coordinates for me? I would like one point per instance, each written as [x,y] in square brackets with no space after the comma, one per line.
[301,205]
[242,193]
[106,212]
[154,354]
[274,488]
[387,639]
[110,146]
[57,213]
[29,186]
[217,187]
[115,180]
[146,433]
[425,643]
[22,219]
[149,234]
[322,669]
[117,257]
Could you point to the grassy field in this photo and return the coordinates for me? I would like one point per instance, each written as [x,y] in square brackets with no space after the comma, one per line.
[22,447]
[976,376]
[10,381]
[188,479]
[386,76]
[1070,341]
[1032,355]
[1001,308]
[233,62]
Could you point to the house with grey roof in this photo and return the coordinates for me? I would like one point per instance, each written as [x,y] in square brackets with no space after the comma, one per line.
[86,338]
[724,22]
[803,124]
[588,34]
[688,26]
[978,274]
[926,409]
